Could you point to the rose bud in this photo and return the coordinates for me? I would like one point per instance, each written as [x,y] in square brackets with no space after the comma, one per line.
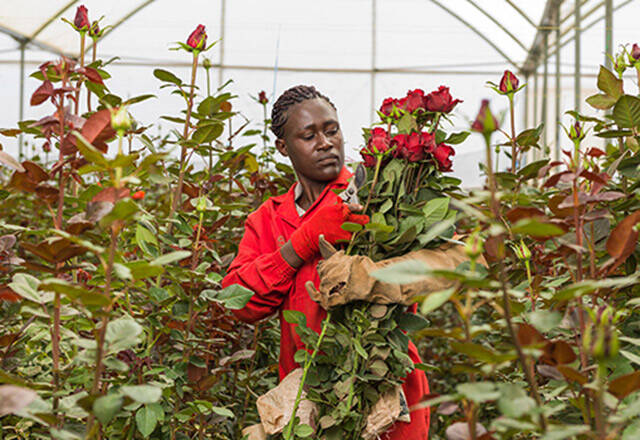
[83,276]
[198,38]
[138,195]
[509,82]
[473,246]
[120,119]
[206,63]
[442,155]
[576,132]
[378,141]
[262,97]
[635,52]
[440,101]
[46,147]
[82,19]
[485,122]
[522,251]
[94,31]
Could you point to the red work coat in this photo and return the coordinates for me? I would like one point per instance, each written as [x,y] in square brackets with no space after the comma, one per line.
[277,286]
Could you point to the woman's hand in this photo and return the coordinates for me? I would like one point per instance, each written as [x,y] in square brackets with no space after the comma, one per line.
[304,242]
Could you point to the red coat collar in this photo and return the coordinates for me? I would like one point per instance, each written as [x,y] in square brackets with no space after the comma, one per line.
[285,203]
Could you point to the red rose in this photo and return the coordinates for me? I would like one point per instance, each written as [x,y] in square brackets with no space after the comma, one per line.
[138,195]
[635,52]
[379,141]
[198,38]
[399,142]
[82,18]
[428,141]
[262,97]
[387,106]
[368,158]
[485,122]
[509,82]
[440,101]
[401,103]
[414,100]
[442,154]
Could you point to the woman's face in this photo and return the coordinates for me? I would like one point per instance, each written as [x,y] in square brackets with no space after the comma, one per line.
[313,140]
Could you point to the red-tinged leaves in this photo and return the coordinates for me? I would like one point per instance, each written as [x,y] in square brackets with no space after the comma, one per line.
[553,180]
[607,196]
[528,335]
[558,353]
[593,177]
[42,93]
[97,129]
[10,132]
[554,203]
[460,431]
[595,152]
[56,250]
[68,146]
[572,375]
[47,193]
[29,179]
[91,74]
[494,248]
[623,238]
[542,172]
[111,195]
[622,386]
[520,212]
[6,294]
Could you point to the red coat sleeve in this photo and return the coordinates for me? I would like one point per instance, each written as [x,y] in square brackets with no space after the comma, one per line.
[264,271]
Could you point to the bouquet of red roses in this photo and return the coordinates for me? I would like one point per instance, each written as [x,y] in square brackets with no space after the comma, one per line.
[406,156]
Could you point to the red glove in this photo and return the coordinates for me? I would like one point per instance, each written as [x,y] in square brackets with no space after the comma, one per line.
[328,222]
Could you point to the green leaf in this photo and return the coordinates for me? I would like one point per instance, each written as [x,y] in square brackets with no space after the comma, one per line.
[544,320]
[142,393]
[457,138]
[563,432]
[479,392]
[435,300]
[106,407]
[412,322]
[514,401]
[123,210]
[166,76]
[224,412]
[531,170]
[351,227]
[207,133]
[303,431]
[631,356]
[536,228]
[294,317]
[122,333]
[407,123]
[601,102]
[481,352]
[89,152]
[435,210]
[404,272]
[74,292]
[26,286]
[529,137]
[169,258]
[436,230]
[141,269]
[379,368]
[233,297]
[609,83]
[146,421]
[359,349]
[589,286]
[626,112]
[137,99]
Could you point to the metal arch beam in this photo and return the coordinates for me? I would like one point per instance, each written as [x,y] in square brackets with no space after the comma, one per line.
[52,19]
[522,13]
[535,53]
[497,23]
[24,39]
[120,22]
[477,32]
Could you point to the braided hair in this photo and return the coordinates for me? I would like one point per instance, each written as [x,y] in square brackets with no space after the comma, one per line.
[294,95]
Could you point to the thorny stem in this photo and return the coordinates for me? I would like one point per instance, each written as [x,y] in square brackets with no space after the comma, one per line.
[598,403]
[289,430]
[514,146]
[366,205]
[104,322]
[183,153]
[93,60]
[82,41]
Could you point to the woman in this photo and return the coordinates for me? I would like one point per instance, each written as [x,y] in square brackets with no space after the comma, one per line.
[279,251]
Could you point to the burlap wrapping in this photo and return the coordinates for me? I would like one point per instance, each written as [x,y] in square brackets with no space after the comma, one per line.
[391,407]
[254,432]
[345,278]
[276,406]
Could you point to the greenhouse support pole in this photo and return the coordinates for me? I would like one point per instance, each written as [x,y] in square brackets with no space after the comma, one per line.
[374,20]
[608,33]
[527,92]
[23,45]
[545,91]
[556,151]
[576,72]
[223,13]
[535,107]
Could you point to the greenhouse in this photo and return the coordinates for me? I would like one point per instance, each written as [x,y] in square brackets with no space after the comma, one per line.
[347,219]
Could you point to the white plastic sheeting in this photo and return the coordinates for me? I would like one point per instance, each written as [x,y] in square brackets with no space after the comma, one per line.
[336,45]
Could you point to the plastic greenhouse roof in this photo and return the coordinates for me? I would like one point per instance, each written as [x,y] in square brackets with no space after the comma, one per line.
[356,51]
